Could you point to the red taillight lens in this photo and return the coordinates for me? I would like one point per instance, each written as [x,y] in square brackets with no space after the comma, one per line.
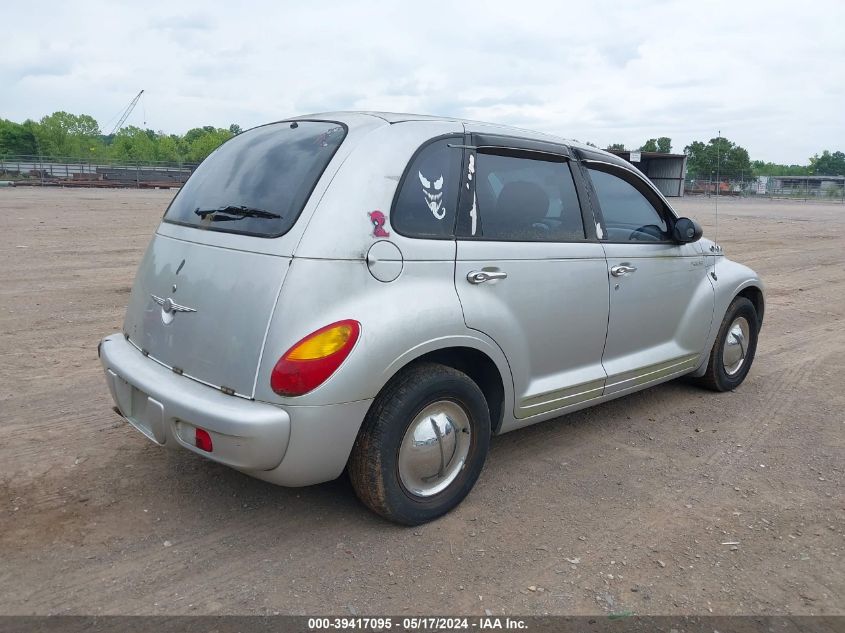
[203,440]
[310,362]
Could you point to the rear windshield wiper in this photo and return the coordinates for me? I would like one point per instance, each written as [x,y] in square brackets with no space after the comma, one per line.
[235,212]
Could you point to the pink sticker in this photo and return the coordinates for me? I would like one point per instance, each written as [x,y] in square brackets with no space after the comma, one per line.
[378,220]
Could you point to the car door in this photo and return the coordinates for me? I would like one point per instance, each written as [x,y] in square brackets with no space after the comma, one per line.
[529,274]
[661,302]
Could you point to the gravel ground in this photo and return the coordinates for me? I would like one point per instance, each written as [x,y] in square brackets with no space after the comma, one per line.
[628,506]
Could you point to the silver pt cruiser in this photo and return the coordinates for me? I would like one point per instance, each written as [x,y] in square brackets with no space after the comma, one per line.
[383,292]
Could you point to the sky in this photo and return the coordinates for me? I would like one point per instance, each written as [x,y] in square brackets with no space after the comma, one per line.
[770,75]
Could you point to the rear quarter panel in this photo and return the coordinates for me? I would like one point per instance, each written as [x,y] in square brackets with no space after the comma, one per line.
[417,313]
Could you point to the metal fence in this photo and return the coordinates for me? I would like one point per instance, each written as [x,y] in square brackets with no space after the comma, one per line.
[74,172]
[818,188]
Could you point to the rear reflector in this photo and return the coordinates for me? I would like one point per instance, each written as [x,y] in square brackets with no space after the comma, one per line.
[203,440]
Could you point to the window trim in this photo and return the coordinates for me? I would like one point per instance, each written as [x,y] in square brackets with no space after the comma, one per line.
[485,140]
[307,199]
[406,173]
[513,149]
[642,185]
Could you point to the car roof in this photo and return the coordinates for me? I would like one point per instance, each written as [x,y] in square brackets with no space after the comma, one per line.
[586,151]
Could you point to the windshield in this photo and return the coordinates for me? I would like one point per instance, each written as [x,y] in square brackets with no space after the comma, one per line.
[258,182]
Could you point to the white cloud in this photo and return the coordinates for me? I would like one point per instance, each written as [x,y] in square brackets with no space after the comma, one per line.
[770,77]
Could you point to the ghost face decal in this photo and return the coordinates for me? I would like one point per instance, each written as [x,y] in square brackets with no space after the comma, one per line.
[378,220]
[433,192]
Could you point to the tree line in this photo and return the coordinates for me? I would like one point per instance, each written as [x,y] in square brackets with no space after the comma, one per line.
[727,159]
[78,136]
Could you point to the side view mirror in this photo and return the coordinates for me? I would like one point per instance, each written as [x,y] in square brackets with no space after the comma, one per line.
[686,231]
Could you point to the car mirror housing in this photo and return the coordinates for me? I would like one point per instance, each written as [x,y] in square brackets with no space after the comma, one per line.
[686,231]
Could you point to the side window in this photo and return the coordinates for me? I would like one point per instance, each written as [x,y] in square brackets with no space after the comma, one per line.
[628,215]
[426,204]
[526,199]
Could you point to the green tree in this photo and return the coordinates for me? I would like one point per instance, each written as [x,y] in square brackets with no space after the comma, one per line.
[201,145]
[63,134]
[662,144]
[763,168]
[649,146]
[194,133]
[730,159]
[18,139]
[617,146]
[828,164]
[169,148]
[133,144]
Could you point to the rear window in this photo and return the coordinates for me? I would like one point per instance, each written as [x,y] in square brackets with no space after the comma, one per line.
[426,203]
[258,182]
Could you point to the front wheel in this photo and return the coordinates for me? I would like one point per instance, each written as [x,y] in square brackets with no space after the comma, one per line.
[733,351]
[422,445]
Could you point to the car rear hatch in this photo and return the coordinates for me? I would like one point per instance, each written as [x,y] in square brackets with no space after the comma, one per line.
[207,286]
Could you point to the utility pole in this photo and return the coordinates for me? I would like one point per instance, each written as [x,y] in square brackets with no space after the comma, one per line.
[718,186]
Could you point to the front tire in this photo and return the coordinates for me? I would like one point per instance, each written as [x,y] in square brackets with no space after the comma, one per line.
[422,445]
[734,348]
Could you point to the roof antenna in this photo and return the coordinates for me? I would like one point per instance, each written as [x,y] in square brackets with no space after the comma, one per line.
[715,247]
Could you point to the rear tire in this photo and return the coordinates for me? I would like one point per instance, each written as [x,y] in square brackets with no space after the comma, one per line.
[734,348]
[422,445]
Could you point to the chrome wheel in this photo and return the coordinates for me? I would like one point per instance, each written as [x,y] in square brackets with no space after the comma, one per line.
[735,347]
[434,448]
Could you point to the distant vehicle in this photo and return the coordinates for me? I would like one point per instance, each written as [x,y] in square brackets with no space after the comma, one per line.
[382,293]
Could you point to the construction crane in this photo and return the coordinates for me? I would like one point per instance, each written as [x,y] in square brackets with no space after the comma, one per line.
[127,112]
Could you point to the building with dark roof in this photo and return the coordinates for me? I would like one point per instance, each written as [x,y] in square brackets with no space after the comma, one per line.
[666,171]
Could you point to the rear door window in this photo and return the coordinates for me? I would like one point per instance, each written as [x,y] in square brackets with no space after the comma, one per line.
[428,196]
[258,182]
[521,198]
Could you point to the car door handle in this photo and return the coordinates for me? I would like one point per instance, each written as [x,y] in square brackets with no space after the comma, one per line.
[480,276]
[622,269]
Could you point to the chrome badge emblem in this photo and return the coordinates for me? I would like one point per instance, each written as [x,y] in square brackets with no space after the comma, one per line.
[169,308]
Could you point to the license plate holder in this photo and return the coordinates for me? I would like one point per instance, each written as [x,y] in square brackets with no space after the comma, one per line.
[141,410]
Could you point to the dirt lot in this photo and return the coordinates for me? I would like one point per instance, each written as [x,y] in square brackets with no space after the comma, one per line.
[624,507]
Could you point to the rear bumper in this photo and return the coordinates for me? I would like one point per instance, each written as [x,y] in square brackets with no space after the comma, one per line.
[167,408]
[290,446]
